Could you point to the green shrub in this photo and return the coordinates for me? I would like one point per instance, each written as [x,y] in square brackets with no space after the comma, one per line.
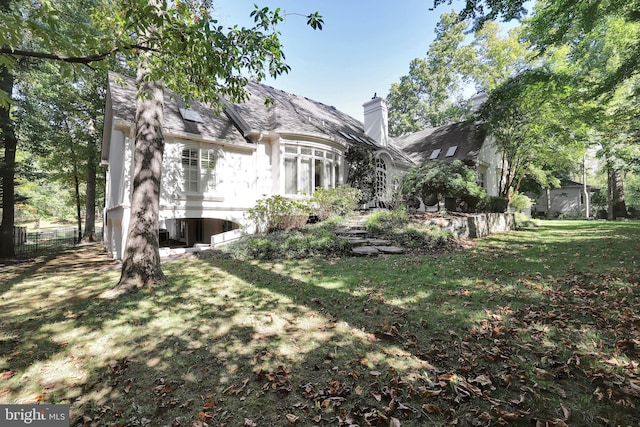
[385,219]
[523,220]
[314,239]
[260,248]
[339,201]
[332,222]
[520,201]
[494,204]
[442,179]
[279,213]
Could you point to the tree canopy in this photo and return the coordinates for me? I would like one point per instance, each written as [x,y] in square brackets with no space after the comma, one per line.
[574,85]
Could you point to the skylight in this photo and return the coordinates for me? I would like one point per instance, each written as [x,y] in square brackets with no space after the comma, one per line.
[434,154]
[451,151]
[191,115]
[361,139]
[345,135]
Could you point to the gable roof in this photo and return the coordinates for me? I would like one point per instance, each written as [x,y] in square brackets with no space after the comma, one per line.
[458,141]
[568,183]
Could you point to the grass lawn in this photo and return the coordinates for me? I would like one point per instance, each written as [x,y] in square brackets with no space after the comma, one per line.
[539,327]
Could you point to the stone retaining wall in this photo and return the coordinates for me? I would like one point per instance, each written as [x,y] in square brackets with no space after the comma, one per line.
[474,226]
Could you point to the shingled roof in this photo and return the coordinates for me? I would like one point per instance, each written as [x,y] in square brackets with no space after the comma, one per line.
[461,141]
[285,113]
[207,124]
[291,113]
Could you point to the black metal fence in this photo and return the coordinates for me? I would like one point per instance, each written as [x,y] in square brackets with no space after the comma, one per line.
[37,242]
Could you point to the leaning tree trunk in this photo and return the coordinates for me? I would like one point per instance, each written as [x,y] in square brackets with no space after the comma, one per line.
[141,263]
[9,143]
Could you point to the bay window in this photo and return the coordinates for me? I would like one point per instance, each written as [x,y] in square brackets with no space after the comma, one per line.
[306,169]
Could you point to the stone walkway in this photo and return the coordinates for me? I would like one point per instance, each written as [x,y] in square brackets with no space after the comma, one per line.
[355,232]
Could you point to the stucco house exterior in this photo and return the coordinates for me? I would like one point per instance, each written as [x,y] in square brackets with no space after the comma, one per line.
[216,166]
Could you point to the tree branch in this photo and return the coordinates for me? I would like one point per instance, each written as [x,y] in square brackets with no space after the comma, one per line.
[72,59]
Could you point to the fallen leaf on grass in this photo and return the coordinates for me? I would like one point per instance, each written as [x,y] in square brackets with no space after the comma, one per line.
[292,418]
[5,375]
[565,411]
[431,408]
[425,392]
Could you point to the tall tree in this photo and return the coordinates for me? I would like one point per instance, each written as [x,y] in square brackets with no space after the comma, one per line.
[577,26]
[431,94]
[555,22]
[178,44]
[498,57]
[525,116]
[8,145]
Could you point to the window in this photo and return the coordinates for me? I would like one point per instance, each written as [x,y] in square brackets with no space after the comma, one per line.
[306,169]
[190,170]
[208,170]
[482,174]
[434,154]
[199,170]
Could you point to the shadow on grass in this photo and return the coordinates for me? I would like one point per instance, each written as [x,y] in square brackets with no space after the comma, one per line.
[232,340]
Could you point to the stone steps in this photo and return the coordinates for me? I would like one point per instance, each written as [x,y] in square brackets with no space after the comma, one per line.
[356,234]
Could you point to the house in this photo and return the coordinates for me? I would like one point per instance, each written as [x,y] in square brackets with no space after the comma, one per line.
[569,200]
[465,141]
[216,166]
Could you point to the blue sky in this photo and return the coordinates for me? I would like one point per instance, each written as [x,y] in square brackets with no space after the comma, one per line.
[362,49]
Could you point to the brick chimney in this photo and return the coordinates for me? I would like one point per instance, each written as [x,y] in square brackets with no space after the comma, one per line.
[376,120]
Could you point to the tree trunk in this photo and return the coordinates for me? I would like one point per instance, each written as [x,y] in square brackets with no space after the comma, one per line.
[141,265]
[90,200]
[78,203]
[617,205]
[9,143]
